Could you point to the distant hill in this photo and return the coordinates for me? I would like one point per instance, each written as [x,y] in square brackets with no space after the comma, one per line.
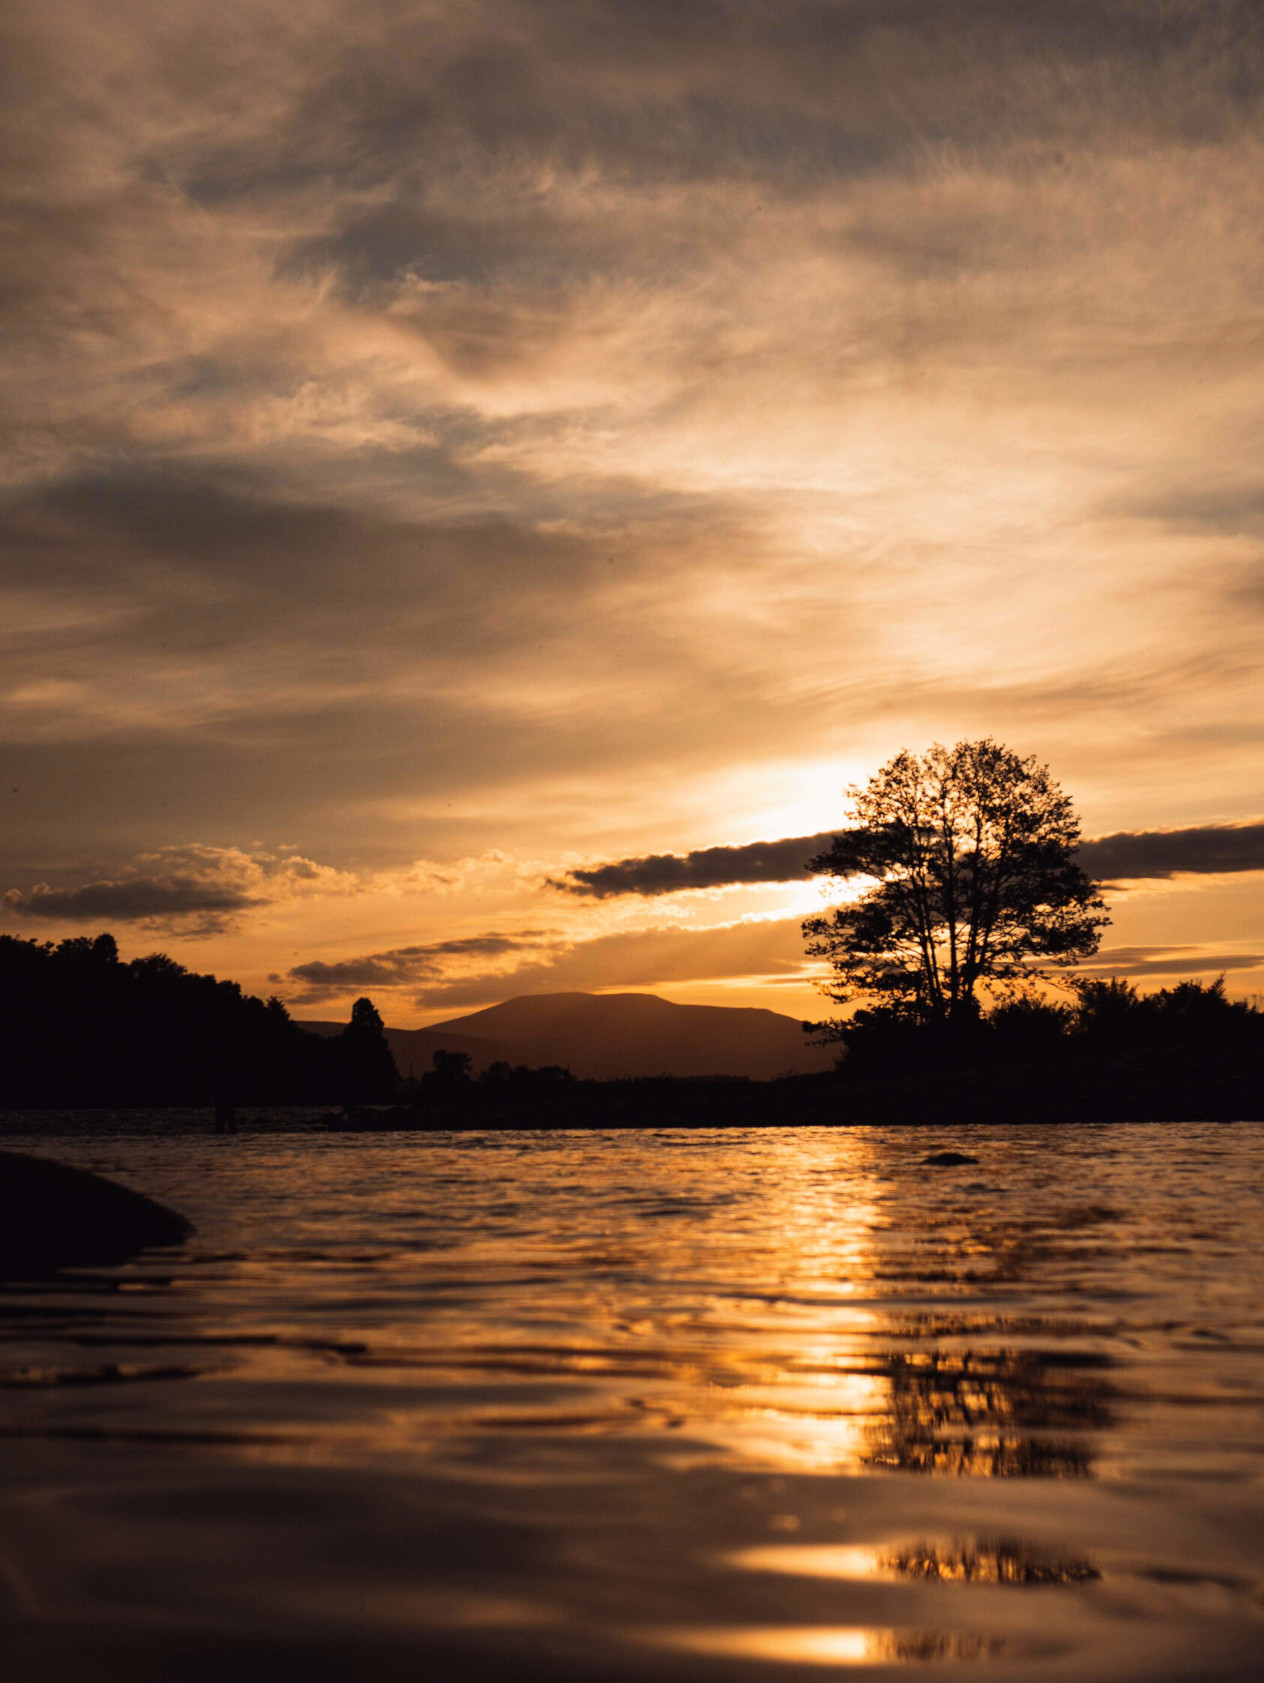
[608,1035]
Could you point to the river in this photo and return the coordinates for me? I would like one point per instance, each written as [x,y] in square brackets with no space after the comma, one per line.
[693,1405]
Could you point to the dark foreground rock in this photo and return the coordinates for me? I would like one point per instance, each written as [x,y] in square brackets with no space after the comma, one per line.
[52,1216]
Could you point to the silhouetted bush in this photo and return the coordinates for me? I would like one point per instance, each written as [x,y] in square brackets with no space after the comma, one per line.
[504,1080]
[1111,1016]
[1108,1019]
[1023,1030]
[449,1081]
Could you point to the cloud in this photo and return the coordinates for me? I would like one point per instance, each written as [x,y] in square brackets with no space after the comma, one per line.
[544,961]
[151,899]
[1130,854]
[1167,961]
[706,867]
[645,958]
[403,966]
[191,890]
[195,552]
[203,640]
[537,424]
[538,961]
[1205,849]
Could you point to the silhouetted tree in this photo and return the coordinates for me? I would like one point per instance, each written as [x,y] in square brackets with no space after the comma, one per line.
[969,852]
[369,1075]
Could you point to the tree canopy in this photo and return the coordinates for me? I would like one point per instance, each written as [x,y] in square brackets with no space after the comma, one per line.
[969,857]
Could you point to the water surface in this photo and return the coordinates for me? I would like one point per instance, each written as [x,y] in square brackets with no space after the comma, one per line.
[679,1404]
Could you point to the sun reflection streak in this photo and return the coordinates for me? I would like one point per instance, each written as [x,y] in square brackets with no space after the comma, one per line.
[1001,1562]
[830,1644]
[810,1409]
[824,1428]
[797,1348]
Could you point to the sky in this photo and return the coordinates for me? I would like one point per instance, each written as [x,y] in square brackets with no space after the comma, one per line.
[454,446]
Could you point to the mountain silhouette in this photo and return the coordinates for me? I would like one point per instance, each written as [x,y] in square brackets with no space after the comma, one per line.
[612,1035]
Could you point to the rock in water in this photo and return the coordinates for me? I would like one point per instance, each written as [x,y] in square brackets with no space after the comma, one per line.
[52,1216]
[948,1159]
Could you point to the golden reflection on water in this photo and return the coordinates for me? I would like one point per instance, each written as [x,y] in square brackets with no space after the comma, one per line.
[831,1645]
[1001,1562]
[820,1335]
[668,1392]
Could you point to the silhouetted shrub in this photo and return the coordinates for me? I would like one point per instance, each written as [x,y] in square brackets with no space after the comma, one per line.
[518,1081]
[449,1081]
[1109,1019]
[1024,1030]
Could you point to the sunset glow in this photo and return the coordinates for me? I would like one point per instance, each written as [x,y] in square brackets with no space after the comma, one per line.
[450,444]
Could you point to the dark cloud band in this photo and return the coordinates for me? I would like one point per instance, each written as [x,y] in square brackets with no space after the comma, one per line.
[1130,854]
[193,889]
[1204,850]
[132,899]
[1168,961]
[403,966]
[708,867]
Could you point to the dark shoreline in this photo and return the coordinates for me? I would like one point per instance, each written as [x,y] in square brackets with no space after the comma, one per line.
[1183,1085]
[1210,1085]
[26,1130]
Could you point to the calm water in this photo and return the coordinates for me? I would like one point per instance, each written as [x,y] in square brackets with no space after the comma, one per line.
[664,1405]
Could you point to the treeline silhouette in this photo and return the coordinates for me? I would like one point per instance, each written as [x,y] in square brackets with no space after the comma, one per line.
[81,1028]
[1106,1018]
[1111,1054]
[1114,1054]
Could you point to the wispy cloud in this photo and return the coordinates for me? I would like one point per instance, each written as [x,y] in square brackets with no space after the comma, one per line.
[1177,961]
[544,961]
